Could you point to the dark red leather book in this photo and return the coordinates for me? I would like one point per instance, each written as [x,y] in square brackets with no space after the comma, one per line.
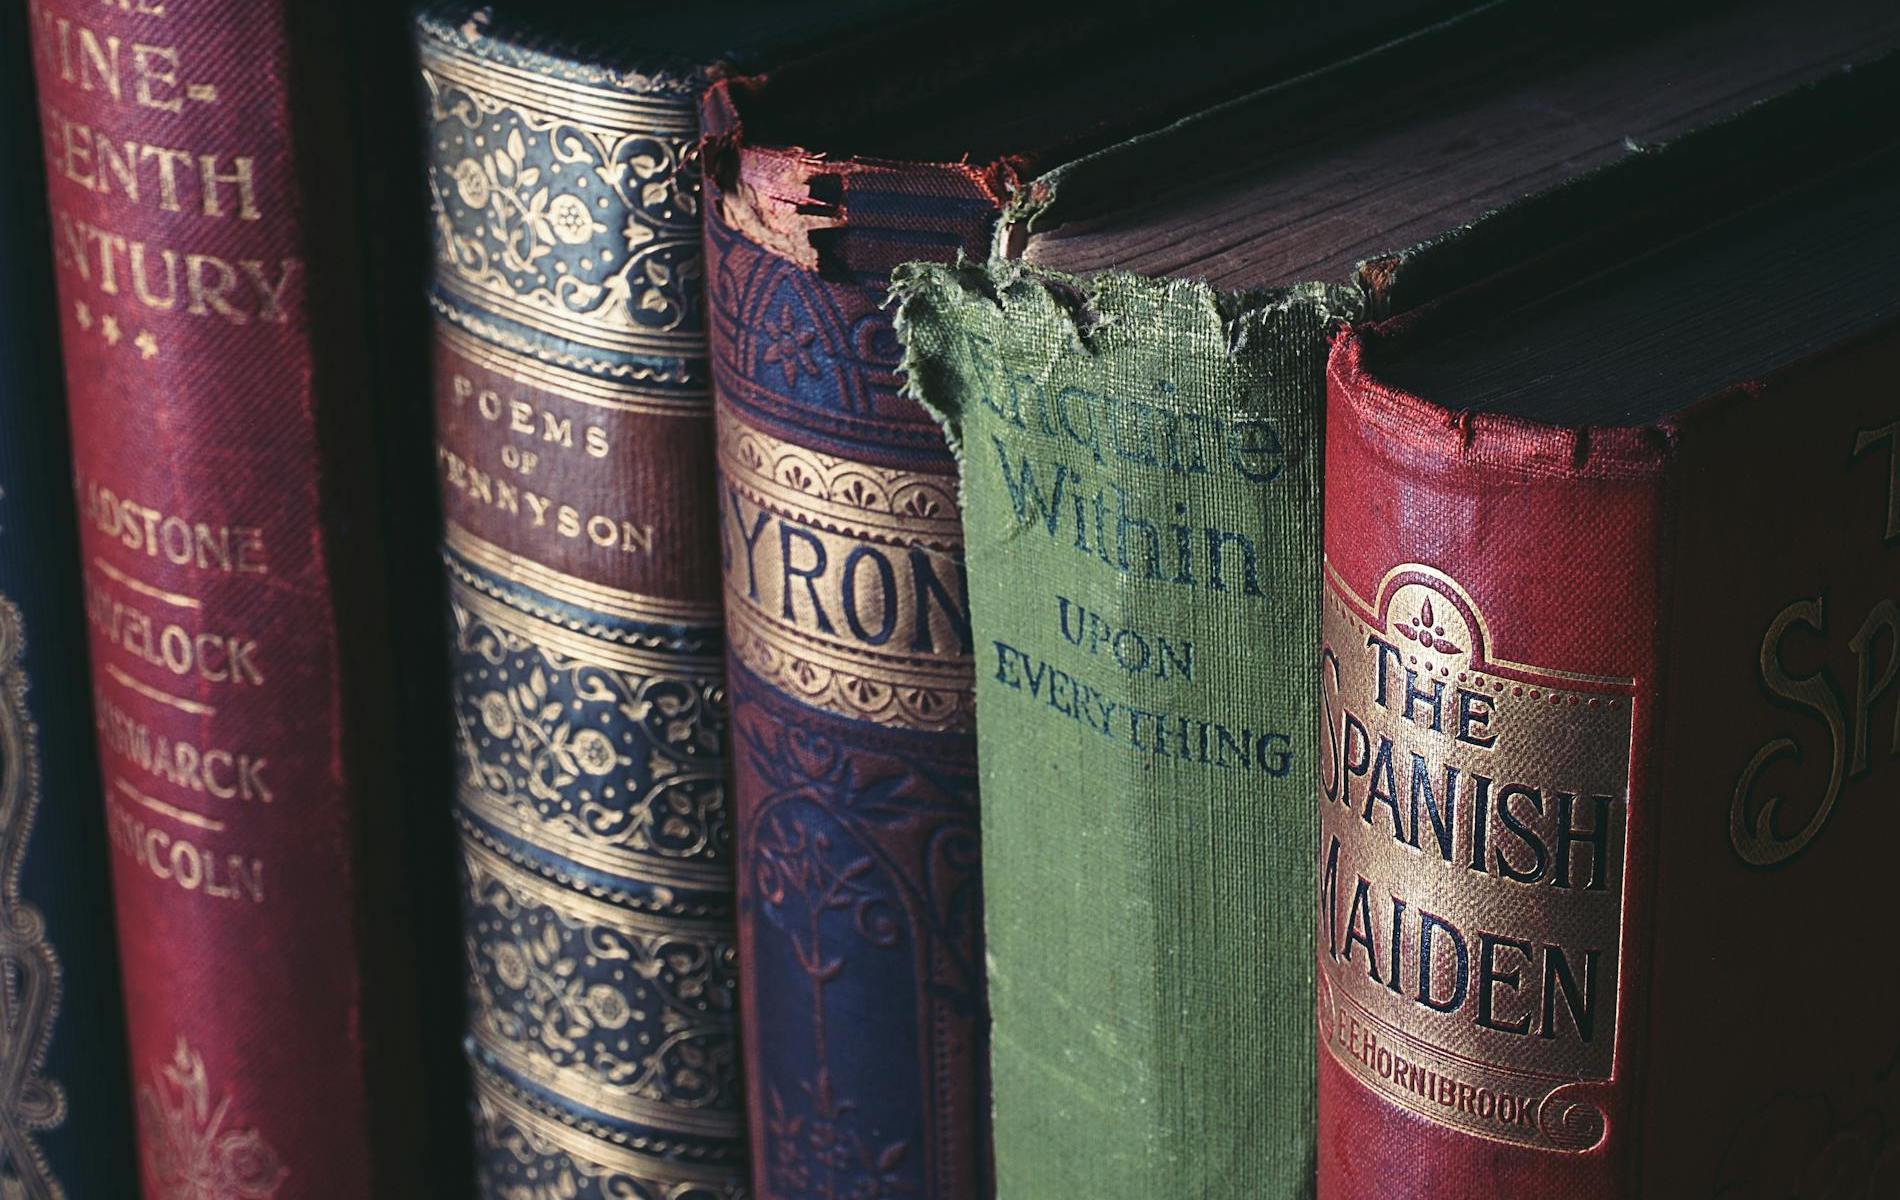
[1608,714]
[200,154]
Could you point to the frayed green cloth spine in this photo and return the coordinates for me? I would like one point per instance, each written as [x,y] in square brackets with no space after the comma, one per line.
[1141,496]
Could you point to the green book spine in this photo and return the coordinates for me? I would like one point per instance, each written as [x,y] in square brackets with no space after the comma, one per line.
[1141,501]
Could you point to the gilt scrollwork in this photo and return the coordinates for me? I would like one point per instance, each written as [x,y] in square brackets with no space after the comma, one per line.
[566,224]
[622,1012]
[631,762]
[530,1154]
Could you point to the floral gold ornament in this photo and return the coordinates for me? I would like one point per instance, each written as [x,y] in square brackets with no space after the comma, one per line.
[623,1011]
[537,750]
[587,685]
[526,198]
[194,1148]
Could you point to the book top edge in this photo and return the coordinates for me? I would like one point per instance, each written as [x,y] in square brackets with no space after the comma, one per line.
[600,63]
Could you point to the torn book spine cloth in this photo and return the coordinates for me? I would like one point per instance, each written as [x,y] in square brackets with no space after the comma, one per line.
[1140,468]
[1140,463]
[850,663]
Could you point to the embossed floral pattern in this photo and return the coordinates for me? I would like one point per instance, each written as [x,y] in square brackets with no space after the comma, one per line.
[191,1153]
[568,219]
[789,345]
[471,182]
[523,199]
[820,1153]
[628,762]
[816,1149]
[640,1014]
[861,868]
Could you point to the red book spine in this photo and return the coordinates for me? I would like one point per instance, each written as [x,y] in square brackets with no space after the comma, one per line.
[1465,682]
[211,382]
[1583,860]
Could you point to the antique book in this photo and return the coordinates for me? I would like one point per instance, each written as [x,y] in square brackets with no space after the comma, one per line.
[574,458]
[204,210]
[65,1111]
[1611,627]
[1141,471]
[847,625]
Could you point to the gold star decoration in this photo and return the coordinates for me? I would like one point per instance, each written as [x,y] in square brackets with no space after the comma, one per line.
[109,327]
[147,344]
[82,314]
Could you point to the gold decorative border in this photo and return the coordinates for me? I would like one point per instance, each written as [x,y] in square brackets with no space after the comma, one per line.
[649,900]
[932,695]
[606,108]
[571,589]
[577,644]
[543,835]
[587,333]
[550,1135]
[636,371]
[29,1103]
[484,867]
[617,395]
[905,507]
[582,907]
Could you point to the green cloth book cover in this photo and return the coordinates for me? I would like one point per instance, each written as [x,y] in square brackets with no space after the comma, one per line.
[1141,494]
[1141,509]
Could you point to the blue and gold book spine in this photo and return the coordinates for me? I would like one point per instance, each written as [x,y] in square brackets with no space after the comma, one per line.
[851,664]
[65,1114]
[575,459]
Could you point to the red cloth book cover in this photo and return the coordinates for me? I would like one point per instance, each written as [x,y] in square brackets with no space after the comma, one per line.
[1608,737]
[202,204]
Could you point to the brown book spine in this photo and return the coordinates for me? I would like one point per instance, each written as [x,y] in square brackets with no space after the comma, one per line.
[574,454]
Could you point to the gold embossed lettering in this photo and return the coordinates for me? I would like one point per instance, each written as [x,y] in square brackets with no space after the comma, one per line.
[184,863]
[225,658]
[172,538]
[1473,817]
[156,70]
[238,291]
[607,531]
[220,773]
[1755,819]
[845,582]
